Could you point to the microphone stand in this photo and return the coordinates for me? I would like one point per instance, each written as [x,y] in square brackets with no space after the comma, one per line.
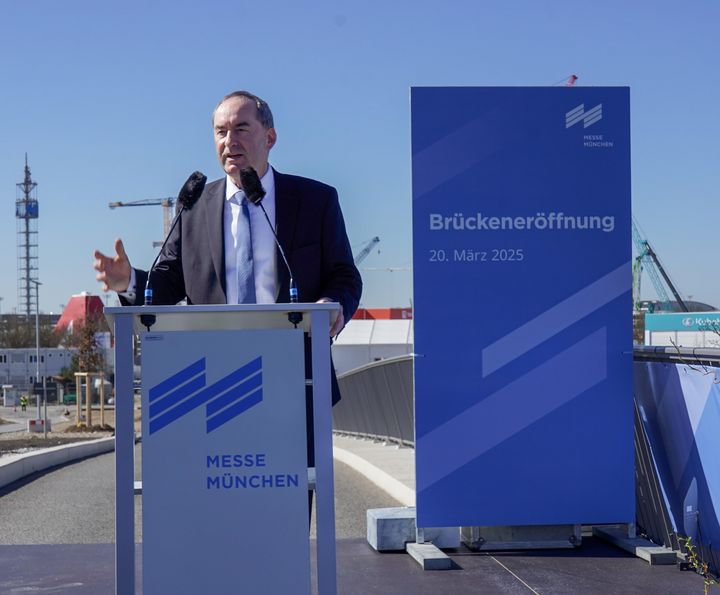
[147,320]
[254,191]
[188,196]
[294,318]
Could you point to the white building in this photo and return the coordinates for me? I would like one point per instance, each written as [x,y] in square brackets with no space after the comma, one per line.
[18,367]
[366,341]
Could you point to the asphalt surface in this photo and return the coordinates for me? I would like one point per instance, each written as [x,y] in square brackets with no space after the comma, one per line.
[75,504]
[70,504]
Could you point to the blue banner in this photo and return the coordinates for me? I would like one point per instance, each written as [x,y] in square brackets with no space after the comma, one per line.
[522,291]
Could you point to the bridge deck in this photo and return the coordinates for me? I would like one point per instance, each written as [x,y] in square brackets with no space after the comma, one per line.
[594,568]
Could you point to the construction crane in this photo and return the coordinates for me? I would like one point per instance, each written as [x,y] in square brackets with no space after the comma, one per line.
[362,255]
[168,205]
[568,81]
[647,260]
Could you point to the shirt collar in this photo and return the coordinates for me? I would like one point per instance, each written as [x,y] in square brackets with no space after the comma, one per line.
[267,181]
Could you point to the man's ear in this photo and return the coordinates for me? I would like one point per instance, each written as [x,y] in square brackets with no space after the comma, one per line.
[271,138]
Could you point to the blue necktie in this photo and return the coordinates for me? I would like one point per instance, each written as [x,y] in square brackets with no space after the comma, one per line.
[245,271]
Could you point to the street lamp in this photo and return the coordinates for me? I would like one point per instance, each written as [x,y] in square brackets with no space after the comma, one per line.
[37,354]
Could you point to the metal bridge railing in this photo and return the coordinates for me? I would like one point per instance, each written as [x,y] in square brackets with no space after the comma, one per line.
[377,403]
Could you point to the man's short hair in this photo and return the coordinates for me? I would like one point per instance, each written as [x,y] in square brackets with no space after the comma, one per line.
[263,109]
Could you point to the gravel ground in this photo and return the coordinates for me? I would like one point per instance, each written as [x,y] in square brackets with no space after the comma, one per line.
[63,432]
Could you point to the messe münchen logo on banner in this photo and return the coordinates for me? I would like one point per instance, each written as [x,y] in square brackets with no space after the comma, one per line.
[224,400]
[592,139]
[578,114]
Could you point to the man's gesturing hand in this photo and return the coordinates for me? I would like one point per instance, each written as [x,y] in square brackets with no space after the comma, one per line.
[113,272]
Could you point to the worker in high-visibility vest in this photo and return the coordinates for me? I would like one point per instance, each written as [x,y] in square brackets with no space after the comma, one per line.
[23,403]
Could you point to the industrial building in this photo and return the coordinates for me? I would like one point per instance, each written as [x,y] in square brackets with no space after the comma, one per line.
[372,335]
[18,367]
[683,329]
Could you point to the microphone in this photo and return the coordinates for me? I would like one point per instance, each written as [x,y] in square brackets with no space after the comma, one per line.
[187,197]
[192,189]
[254,192]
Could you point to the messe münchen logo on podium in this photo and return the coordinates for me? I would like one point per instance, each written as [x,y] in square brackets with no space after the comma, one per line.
[224,400]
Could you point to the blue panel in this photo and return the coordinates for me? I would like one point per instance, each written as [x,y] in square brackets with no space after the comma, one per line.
[522,296]
[680,411]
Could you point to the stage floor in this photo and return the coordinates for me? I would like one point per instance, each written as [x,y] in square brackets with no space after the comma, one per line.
[596,567]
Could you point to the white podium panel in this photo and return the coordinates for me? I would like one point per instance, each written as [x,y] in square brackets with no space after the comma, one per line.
[224,465]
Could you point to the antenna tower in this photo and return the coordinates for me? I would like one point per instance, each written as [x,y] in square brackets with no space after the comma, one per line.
[26,213]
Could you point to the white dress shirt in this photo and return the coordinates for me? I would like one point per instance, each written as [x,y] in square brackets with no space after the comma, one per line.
[263,241]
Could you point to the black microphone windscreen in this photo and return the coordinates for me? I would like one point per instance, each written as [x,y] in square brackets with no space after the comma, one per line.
[192,189]
[252,187]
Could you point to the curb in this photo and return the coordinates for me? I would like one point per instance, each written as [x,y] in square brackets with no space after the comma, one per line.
[386,482]
[18,466]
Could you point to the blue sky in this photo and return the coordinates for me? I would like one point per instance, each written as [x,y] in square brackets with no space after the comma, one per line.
[113,102]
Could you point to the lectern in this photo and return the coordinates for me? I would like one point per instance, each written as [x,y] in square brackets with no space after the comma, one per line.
[223,448]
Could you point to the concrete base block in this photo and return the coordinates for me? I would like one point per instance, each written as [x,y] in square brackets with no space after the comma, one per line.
[390,529]
[642,548]
[522,537]
[37,425]
[429,556]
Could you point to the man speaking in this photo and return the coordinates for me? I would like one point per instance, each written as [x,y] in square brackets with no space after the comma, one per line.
[223,250]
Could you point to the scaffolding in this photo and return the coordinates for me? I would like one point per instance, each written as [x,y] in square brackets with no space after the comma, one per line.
[26,213]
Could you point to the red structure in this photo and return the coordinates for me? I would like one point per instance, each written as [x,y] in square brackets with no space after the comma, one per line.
[77,309]
[383,314]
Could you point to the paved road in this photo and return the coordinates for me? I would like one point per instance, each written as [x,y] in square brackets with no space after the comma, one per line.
[75,504]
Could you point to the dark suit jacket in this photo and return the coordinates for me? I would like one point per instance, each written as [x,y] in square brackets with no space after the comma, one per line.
[310,228]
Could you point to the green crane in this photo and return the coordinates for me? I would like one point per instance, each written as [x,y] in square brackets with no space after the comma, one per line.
[647,260]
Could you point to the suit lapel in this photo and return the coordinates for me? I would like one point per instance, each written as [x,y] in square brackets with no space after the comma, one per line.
[287,205]
[214,206]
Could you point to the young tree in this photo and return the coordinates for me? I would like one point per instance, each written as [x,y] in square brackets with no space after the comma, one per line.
[90,356]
